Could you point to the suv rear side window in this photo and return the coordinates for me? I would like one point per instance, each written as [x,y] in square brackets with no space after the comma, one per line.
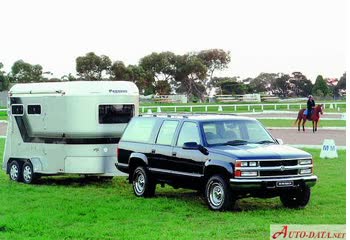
[117,113]
[166,132]
[189,133]
[139,130]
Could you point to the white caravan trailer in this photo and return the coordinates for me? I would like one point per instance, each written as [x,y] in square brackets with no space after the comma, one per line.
[67,127]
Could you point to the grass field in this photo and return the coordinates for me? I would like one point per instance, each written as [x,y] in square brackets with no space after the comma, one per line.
[289,123]
[71,208]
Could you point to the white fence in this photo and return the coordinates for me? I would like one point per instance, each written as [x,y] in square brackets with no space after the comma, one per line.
[234,107]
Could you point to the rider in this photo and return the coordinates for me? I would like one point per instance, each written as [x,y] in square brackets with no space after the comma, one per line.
[310,106]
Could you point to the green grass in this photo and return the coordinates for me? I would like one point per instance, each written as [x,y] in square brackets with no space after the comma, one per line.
[71,208]
[289,123]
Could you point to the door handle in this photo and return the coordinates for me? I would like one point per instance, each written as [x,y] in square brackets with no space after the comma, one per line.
[173,154]
[153,151]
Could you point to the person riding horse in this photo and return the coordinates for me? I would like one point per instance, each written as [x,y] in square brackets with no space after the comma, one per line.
[310,105]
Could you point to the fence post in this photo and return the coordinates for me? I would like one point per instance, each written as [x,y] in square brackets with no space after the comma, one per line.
[300,106]
[206,108]
[143,109]
[175,109]
[275,107]
[235,108]
[262,107]
[288,107]
[248,108]
[191,109]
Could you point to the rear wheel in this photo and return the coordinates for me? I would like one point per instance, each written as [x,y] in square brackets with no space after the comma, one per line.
[297,198]
[218,194]
[28,173]
[15,171]
[142,182]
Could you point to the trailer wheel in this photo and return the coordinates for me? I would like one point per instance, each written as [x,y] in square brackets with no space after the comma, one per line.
[28,173]
[15,171]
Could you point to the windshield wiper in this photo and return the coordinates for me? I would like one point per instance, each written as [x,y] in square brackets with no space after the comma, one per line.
[236,142]
[264,141]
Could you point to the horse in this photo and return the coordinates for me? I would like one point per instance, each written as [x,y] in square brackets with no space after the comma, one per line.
[314,117]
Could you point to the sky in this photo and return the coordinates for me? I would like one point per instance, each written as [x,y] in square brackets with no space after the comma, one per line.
[262,35]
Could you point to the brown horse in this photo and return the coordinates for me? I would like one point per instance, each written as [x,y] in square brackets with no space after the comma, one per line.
[315,117]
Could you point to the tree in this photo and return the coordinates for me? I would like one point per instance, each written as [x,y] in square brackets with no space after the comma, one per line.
[69,77]
[214,59]
[262,83]
[300,85]
[119,71]
[23,72]
[320,87]
[190,74]
[280,86]
[230,85]
[4,81]
[341,86]
[143,79]
[92,67]
[162,87]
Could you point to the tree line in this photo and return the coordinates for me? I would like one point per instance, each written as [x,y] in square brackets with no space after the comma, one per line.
[192,74]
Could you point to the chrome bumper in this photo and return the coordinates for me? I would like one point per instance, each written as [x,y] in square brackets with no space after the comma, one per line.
[245,183]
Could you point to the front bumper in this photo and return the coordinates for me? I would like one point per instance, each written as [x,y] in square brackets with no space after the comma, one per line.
[271,183]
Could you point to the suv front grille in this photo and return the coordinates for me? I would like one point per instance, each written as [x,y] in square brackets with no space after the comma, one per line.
[278,173]
[278,163]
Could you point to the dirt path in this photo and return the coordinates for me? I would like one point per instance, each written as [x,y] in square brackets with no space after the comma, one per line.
[291,136]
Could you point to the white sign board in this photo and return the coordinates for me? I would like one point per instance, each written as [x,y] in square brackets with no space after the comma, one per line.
[329,150]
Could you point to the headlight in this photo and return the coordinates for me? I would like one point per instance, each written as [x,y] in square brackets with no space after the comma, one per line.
[246,164]
[249,174]
[305,161]
[306,171]
[252,164]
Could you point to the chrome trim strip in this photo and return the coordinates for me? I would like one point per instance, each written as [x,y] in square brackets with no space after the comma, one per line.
[175,172]
[276,168]
[282,159]
[307,178]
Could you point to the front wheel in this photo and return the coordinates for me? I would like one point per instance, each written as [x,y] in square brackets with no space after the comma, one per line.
[28,173]
[143,184]
[297,198]
[218,194]
[15,171]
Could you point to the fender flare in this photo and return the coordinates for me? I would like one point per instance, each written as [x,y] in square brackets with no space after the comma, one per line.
[138,156]
[227,166]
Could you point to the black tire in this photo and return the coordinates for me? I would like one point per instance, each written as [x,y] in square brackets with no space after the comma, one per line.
[218,194]
[28,174]
[15,171]
[297,198]
[142,183]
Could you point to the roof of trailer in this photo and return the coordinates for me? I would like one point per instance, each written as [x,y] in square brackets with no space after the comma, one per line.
[76,88]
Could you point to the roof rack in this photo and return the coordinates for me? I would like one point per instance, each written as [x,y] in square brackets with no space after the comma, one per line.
[184,114]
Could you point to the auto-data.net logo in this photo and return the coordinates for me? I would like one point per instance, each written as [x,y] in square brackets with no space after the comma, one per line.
[286,231]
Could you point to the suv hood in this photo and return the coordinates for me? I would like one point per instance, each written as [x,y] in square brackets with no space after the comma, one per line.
[259,151]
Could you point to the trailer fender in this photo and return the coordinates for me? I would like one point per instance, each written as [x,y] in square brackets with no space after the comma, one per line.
[37,165]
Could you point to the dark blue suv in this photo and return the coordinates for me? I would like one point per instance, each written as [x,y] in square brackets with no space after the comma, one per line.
[226,157]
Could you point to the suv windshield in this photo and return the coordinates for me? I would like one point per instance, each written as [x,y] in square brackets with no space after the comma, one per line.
[236,132]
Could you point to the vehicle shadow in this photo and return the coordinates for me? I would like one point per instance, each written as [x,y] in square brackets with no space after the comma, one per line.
[72,181]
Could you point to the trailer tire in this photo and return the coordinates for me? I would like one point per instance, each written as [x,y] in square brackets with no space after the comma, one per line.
[15,171]
[28,174]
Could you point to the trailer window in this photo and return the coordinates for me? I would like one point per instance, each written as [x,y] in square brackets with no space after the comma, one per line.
[17,110]
[34,109]
[109,114]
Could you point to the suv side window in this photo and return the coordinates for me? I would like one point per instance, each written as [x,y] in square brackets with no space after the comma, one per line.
[139,130]
[189,133]
[166,132]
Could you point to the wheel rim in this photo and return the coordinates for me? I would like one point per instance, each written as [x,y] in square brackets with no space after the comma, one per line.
[27,173]
[139,183]
[14,172]
[216,194]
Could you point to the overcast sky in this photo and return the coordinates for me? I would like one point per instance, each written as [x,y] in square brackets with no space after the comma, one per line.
[262,35]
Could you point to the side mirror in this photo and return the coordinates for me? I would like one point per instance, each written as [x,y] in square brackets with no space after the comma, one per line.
[279,141]
[190,146]
[195,146]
